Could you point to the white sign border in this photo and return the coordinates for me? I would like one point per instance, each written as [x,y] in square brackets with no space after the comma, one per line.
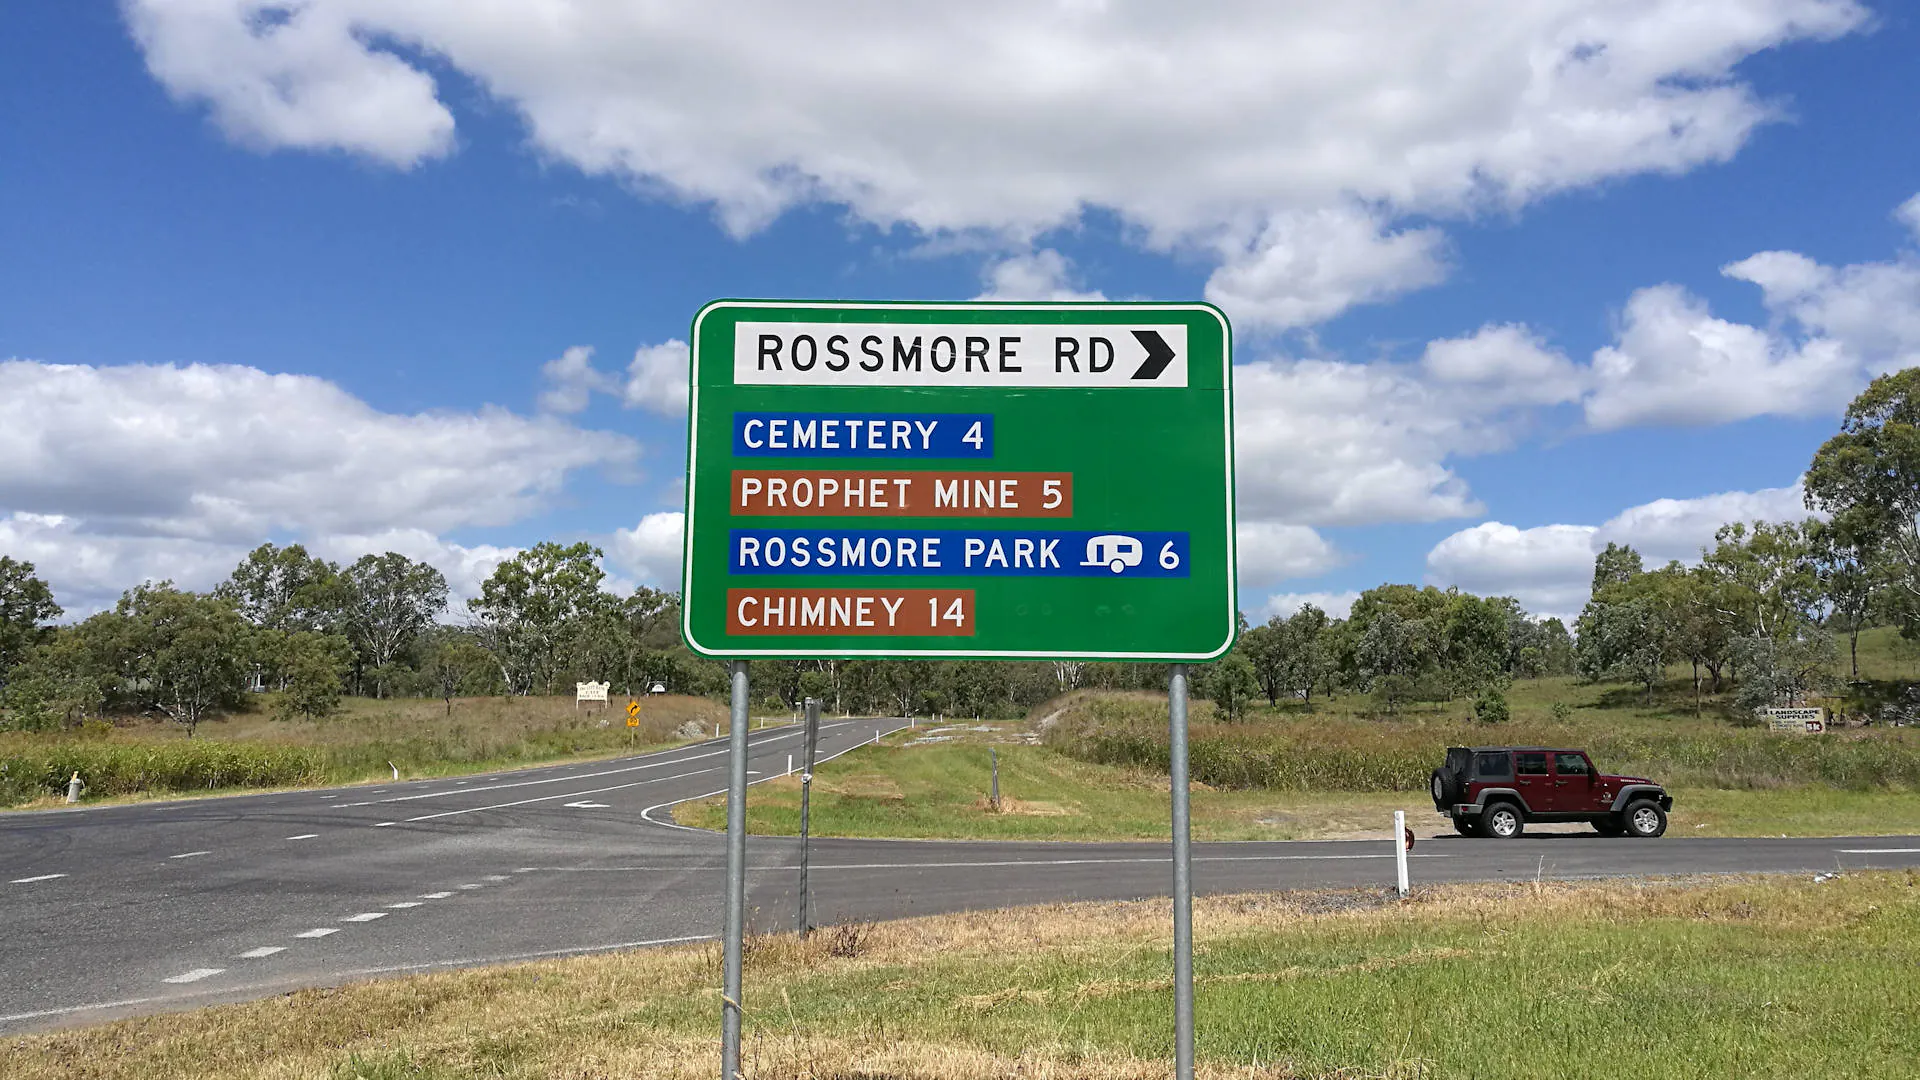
[693,444]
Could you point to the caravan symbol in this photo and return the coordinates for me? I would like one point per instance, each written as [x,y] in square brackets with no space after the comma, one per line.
[1116,553]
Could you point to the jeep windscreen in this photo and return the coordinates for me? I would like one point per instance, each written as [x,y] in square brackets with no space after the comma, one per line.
[1495,765]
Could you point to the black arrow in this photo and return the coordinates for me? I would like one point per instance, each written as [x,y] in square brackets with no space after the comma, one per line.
[1159,354]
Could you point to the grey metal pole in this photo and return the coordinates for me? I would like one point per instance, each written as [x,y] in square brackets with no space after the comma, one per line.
[995,755]
[1182,877]
[806,797]
[735,944]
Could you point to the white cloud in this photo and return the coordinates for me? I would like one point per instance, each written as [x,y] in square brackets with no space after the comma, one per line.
[650,551]
[1337,605]
[1668,529]
[466,568]
[1674,363]
[1549,568]
[657,379]
[305,75]
[1831,329]
[1039,275]
[1508,362]
[1269,552]
[1908,214]
[135,472]
[1247,127]
[1305,267]
[571,380]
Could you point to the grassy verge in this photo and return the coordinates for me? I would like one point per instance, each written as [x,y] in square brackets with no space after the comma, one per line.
[1751,977]
[251,751]
[940,791]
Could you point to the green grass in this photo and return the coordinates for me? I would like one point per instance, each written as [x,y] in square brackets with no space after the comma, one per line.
[365,741]
[940,791]
[1732,977]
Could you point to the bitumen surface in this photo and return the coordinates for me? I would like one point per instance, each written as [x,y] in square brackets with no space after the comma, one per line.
[121,910]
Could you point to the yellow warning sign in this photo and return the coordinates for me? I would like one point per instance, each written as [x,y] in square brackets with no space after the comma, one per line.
[633,714]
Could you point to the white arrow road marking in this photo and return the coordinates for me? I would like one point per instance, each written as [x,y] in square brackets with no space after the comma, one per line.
[585,805]
[195,975]
[365,916]
[319,931]
[31,880]
[264,950]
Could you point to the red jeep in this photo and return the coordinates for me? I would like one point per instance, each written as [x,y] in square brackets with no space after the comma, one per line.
[1496,790]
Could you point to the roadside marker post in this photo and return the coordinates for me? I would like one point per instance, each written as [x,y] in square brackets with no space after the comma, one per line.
[1401,841]
[812,743]
[981,481]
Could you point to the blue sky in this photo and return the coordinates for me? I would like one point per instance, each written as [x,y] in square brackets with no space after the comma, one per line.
[418,209]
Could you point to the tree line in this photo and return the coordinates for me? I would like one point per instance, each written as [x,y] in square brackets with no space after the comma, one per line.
[1760,612]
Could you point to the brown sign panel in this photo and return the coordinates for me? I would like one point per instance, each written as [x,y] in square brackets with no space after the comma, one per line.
[870,612]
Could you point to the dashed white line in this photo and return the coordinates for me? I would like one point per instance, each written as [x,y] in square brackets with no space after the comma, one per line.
[264,950]
[318,931]
[189,854]
[435,895]
[195,975]
[404,904]
[472,885]
[37,877]
[1879,850]
[365,916]
[496,877]
[304,836]
[526,869]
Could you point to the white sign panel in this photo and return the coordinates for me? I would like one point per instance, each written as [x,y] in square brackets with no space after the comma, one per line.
[1810,721]
[590,691]
[1078,357]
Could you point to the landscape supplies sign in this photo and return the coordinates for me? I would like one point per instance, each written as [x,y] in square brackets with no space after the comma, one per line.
[1801,721]
[997,481]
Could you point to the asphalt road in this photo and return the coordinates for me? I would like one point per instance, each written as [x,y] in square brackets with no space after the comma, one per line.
[114,911]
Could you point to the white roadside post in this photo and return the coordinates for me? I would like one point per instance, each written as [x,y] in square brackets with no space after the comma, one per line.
[1400,848]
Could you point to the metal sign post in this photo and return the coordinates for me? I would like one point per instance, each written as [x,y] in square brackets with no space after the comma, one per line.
[735,945]
[976,480]
[806,795]
[1182,875]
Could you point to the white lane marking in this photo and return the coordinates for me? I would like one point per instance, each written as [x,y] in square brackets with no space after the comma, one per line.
[471,885]
[496,877]
[195,975]
[584,804]
[527,870]
[435,895]
[318,931]
[647,814]
[329,796]
[404,904]
[760,739]
[189,854]
[550,798]
[385,824]
[1879,850]
[31,880]
[304,836]
[365,916]
[474,961]
[264,950]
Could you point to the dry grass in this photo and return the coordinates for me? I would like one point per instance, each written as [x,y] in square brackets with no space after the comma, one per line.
[1078,992]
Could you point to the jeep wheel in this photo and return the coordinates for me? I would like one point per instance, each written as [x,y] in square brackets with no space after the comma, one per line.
[1438,785]
[1610,826]
[1645,819]
[1464,826]
[1502,821]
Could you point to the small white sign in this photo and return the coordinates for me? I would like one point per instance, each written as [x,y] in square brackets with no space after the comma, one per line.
[959,355]
[1805,721]
[590,691]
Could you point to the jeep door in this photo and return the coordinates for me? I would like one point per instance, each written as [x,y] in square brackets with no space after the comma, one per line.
[1573,787]
[1533,779]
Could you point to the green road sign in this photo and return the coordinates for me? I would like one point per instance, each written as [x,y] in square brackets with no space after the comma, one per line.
[995,481]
